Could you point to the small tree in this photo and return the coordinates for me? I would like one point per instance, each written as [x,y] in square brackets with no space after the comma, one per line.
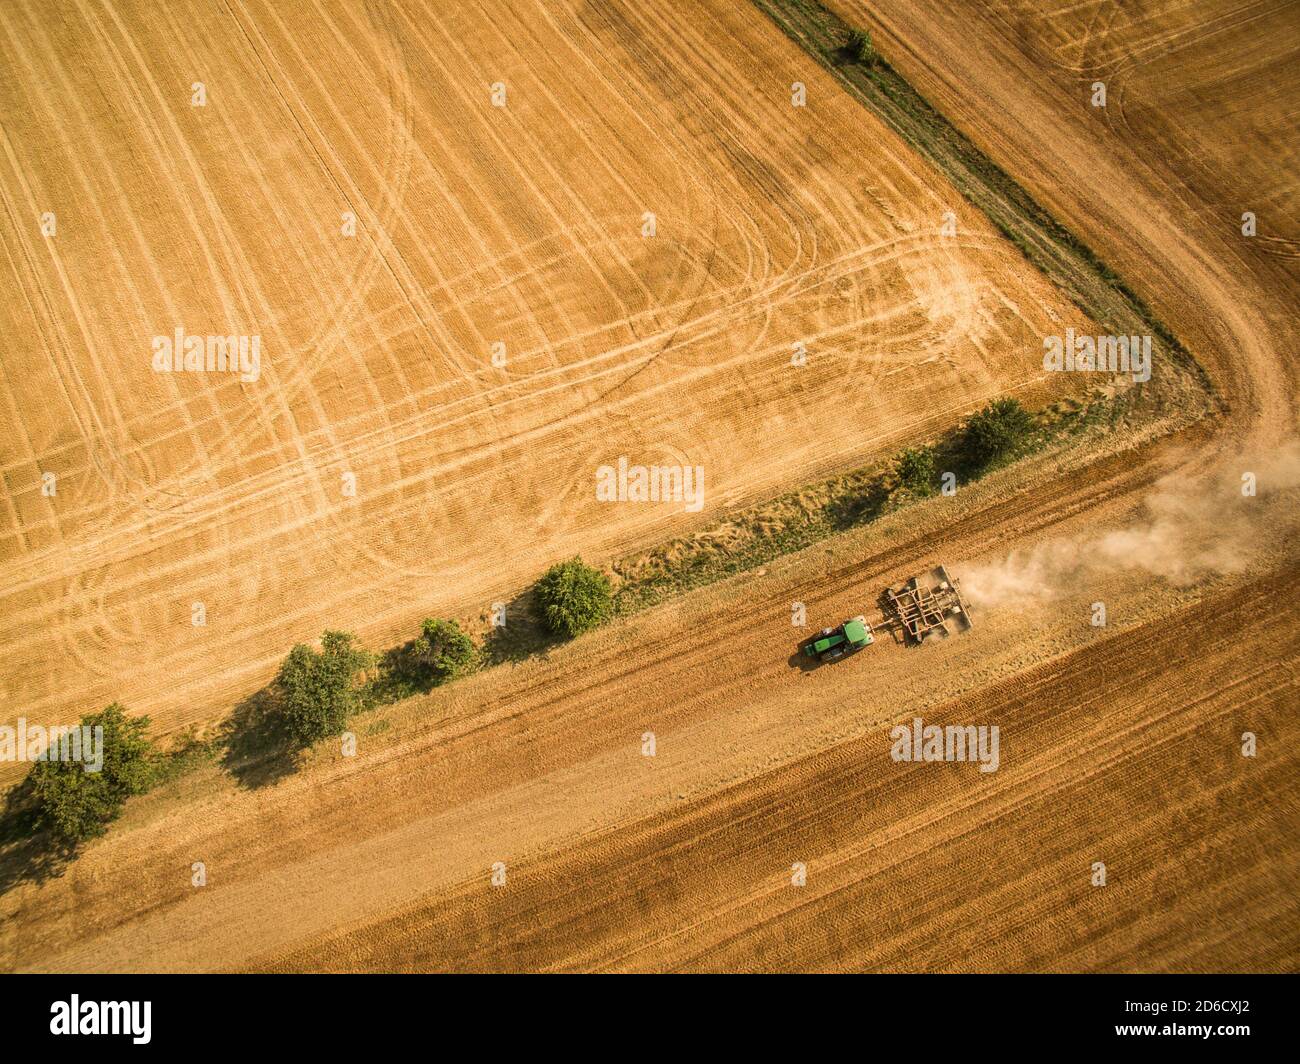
[317,692]
[445,650]
[997,431]
[573,598]
[860,47]
[74,804]
[916,470]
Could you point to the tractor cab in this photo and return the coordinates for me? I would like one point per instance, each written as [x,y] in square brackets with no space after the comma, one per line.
[834,643]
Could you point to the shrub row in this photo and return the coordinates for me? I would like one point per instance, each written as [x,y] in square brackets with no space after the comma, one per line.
[312,697]
[315,691]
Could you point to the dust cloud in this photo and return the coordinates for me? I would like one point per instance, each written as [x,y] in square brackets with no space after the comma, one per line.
[1190,529]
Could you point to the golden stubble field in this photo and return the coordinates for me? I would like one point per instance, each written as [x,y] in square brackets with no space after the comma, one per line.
[1206,85]
[1120,744]
[1196,131]
[475,225]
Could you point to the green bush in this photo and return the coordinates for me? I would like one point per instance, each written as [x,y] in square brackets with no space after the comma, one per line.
[445,650]
[997,431]
[573,598]
[916,470]
[316,692]
[860,47]
[73,804]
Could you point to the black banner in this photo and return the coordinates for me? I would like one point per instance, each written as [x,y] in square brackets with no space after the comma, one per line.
[335,1013]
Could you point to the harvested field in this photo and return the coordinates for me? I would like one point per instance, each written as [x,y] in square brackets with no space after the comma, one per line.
[1207,86]
[475,225]
[384,861]
[1121,743]
[1162,199]
[929,871]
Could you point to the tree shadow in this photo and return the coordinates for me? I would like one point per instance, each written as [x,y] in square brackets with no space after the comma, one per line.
[258,749]
[843,56]
[952,454]
[523,636]
[858,508]
[402,672]
[26,853]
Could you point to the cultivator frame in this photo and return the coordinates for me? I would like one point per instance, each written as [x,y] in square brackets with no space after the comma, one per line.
[927,610]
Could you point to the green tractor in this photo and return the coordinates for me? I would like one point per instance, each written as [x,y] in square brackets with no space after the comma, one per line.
[833,643]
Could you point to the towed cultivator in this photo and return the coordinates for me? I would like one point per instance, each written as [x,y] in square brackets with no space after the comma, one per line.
[925,607]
